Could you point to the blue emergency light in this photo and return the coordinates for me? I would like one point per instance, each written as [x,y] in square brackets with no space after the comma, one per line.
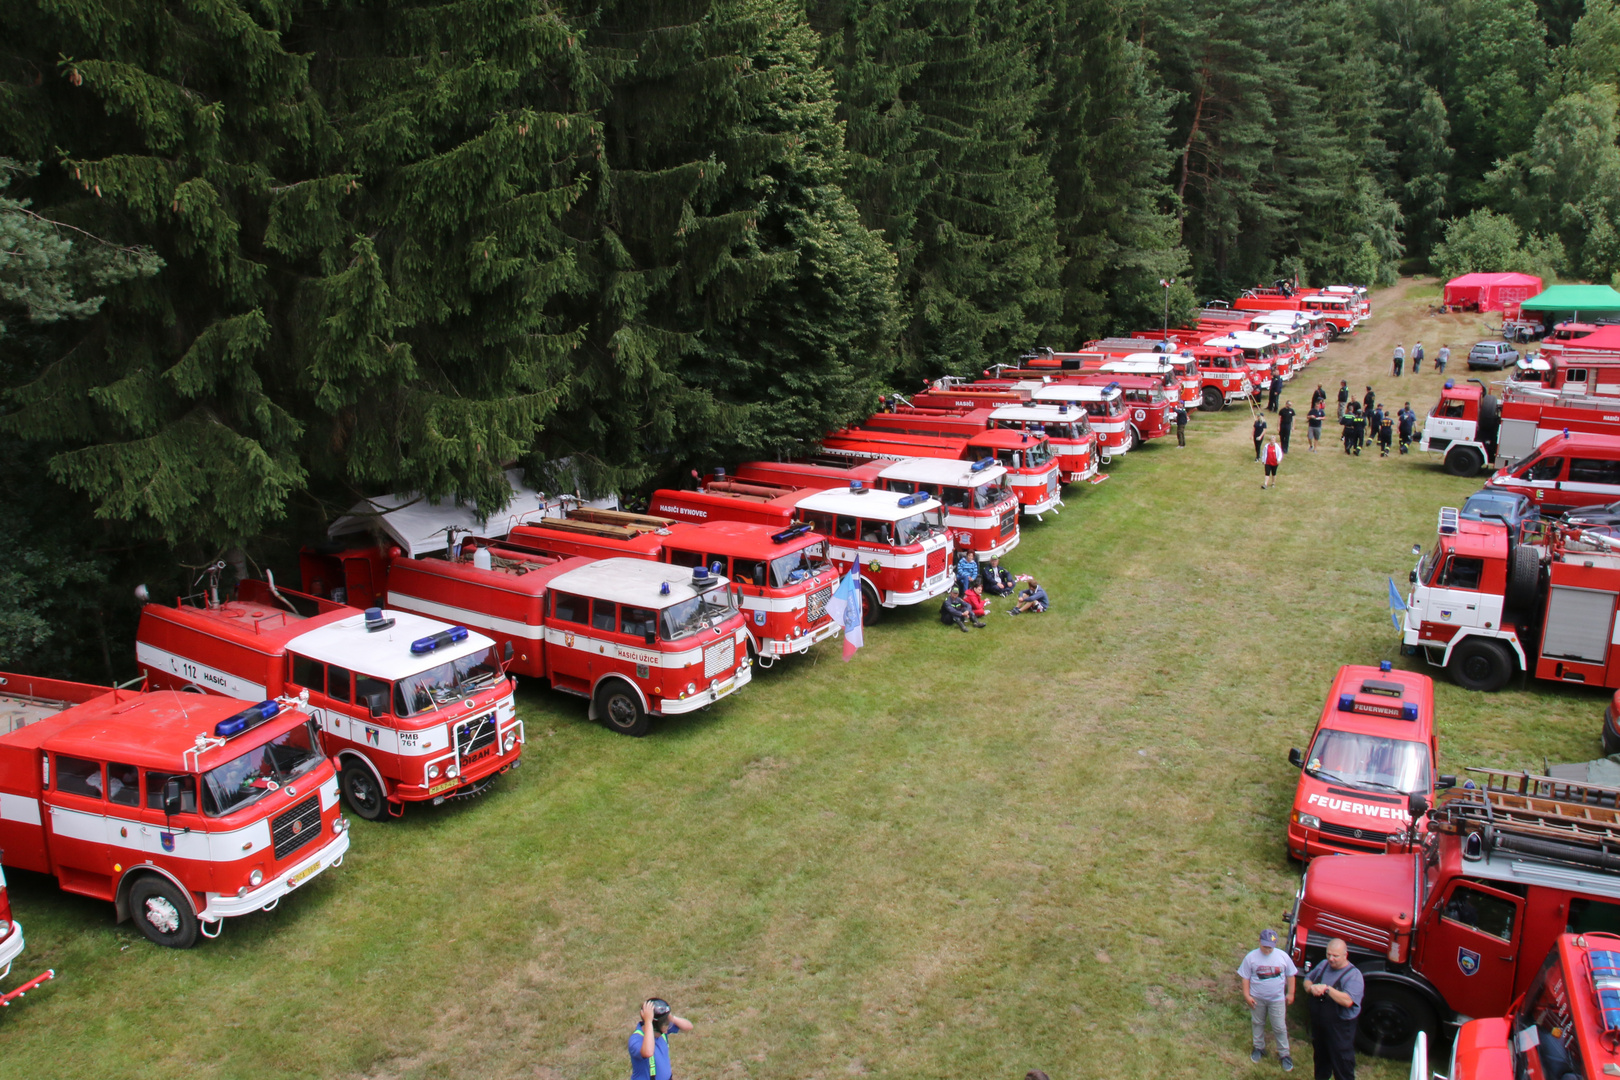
[663,588]
[790,533]
[375,620]
[1450,383]
[1063,409]
[1347,703]
[1409,711]
[719,472]
[1605,965]
[443,637]
[855,485]
[1385,665]
[700,575]
[252,716]
[982,464]
[1111,386]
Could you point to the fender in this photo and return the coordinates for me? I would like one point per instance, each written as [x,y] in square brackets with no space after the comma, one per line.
[867,583]
[1373,974]
[133,874]
[362,759]
[590,713]
[1510,637]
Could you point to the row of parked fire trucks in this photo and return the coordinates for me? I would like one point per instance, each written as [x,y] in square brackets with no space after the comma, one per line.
[387,679]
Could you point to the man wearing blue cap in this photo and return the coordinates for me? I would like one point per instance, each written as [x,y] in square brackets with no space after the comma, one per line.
[1267,975]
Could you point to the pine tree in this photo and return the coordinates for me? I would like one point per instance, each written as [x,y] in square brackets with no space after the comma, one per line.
[1499,62]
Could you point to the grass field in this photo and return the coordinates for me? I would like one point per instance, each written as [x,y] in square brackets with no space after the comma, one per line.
[1042,845]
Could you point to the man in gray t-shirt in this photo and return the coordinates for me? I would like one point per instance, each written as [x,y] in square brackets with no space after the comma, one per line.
[1267,976]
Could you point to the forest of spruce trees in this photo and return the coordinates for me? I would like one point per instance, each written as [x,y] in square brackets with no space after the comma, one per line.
[260,256]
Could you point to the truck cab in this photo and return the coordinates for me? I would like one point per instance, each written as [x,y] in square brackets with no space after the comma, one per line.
[1463,426]
[980,508]
[1374,747]
[1067,430]
[1104,407]
[1179,372]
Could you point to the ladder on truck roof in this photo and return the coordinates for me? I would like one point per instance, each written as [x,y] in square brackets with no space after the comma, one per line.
[1542,817]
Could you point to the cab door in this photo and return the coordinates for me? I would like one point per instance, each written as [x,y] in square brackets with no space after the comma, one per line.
[78,826]
[1455,596]
[1470,947]
[1539,479]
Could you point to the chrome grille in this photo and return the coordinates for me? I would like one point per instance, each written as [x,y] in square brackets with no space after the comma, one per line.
[816,605]
[297,827]
[720,656]
[1009,520]
[1372,836]
[1350,930]
[475,736]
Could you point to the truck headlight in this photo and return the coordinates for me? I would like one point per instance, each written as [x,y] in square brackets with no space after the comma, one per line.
[5,929]
[452,771]
[255,878]
[691,688]
[433,772]
[509,742]
[1309,821]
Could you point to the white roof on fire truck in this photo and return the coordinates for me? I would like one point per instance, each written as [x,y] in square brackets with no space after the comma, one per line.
[1244,339]
[419,527]
[1158,361]
[874,505]
[927,470]
[631,581]
[1070,392]
[1286,318]
[1044,412]
[383,654]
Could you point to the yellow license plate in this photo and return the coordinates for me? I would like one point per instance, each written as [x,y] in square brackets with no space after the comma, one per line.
[446,786]
[304,875]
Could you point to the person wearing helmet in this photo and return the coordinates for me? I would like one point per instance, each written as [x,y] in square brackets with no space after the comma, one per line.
[649,1057]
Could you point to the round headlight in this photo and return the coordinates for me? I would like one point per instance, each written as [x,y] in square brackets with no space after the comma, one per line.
[452,772]
[511,741]
[255,878]
[691,688]
[433,772]
[5,928]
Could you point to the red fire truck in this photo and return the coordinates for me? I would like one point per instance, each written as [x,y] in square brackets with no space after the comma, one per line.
[781,578]
[1458,927]
[1032,472]
[1569,470]
[11,931]
[1150,405]
[1484,604]
[1068,430]
[1572,373]
[181,811]
[1373,746]
[1264,353]
[1308,330]
[1567,1023]
[1104,407]
[980,510]
[1342,312]
[413,709]
[898,540]
[1178,372]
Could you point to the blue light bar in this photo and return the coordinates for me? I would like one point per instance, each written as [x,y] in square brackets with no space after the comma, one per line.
[1409,711]
[1385,665]
[434,641]
[252,716]
[1347,703]
[790,533]
[982,464]
[1605,966]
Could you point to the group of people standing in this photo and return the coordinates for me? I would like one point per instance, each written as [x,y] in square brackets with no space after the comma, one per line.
[1440,360]
[1366,419]
[1334,989]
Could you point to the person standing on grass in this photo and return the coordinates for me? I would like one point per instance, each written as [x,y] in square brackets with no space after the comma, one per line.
[1267,975]
[1417,356]
[1276,391]
[1344,396]
[1347,425]
[1259,432]
[1334,989]
[1441,357]
[1367,401]
[1313,424]
[1318,396]
[1181,424]
[649,1053]
[1358,431]
[1285,425]
[1272,455]
[1400,358]
[1408,422]
[1386,434]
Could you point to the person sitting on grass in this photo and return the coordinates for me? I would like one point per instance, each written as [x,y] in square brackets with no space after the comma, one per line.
[1033,598]
[967,570]
[998,580]
[954,611]
[975,603]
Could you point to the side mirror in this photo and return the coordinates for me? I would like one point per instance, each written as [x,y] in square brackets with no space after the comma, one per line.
[171,797]
[1411,575]
[650,637]
[1296,759]
[1417,806]
[1446,781]
[377,702]
[506,653]
[1417,551]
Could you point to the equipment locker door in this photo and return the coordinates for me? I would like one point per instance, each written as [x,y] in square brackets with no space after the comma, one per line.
[1579,622]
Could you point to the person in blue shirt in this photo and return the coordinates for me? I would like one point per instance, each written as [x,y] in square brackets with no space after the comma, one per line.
[649,1057]
[1031,599]
[967,570]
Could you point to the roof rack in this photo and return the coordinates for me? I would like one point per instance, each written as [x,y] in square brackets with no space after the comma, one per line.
[1522,813]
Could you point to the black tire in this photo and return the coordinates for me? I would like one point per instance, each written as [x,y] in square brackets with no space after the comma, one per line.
[871,606]
[1214,400]
[1611,739]
[1481,664]
[619,709]
[1136,438]
[1464,461]
[1524,578]
[1333,332]
[1391,1017]
[365,796]
[163,913]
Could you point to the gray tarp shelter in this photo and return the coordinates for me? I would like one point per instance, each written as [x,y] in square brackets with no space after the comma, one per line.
[1590,299]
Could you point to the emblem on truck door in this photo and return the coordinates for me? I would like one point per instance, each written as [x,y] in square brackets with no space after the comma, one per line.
[1467,960]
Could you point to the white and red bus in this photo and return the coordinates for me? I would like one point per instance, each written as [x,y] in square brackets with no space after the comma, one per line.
[413,709]
[182,811]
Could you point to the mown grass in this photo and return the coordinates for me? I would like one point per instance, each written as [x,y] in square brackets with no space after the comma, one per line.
[1041,845]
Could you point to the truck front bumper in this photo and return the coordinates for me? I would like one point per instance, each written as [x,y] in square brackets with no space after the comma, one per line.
[222,906]
[716,690]
[11,948]
[802,643]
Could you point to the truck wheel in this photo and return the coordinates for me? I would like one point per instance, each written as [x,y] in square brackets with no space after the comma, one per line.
[163,912]
[361,791]
[871,608]
[1481,664]
[1332,332]
[1214,400]
[1391,1017]
[1524,578]
[1136,438]
[1464,461]
[618,707]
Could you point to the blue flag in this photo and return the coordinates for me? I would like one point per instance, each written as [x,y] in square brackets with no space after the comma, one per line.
[1395,604]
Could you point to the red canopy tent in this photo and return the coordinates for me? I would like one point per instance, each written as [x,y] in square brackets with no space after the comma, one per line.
[1491,292]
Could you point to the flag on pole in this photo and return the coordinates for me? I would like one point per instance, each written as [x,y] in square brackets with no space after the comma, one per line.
[1395,604]
[845,607]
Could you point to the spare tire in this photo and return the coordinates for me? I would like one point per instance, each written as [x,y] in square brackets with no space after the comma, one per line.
[1490,418]
[1523,577]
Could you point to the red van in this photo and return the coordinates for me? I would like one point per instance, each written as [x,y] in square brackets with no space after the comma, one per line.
[1571,470]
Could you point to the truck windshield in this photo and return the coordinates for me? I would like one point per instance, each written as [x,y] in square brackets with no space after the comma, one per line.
[988,495]
[231,786]
[916,528]
[796,566]
[691,615]
[1370,761]
[446,683]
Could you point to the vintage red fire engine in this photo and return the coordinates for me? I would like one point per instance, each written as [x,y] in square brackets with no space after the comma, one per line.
[898,540]
[1343,312]
[1373,747]
[1473,428]
[1032,472]
[1570,470]
[1458,928]
[1149,404]
[1179,373]
[1567,1024]
[413,709]
[180,810]
[980,510]
[1068,431]
[1105,411]
[781,578]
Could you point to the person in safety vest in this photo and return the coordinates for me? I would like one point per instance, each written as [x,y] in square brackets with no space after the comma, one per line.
[649,1056]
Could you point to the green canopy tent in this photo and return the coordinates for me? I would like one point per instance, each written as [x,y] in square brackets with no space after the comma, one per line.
[1592,299]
